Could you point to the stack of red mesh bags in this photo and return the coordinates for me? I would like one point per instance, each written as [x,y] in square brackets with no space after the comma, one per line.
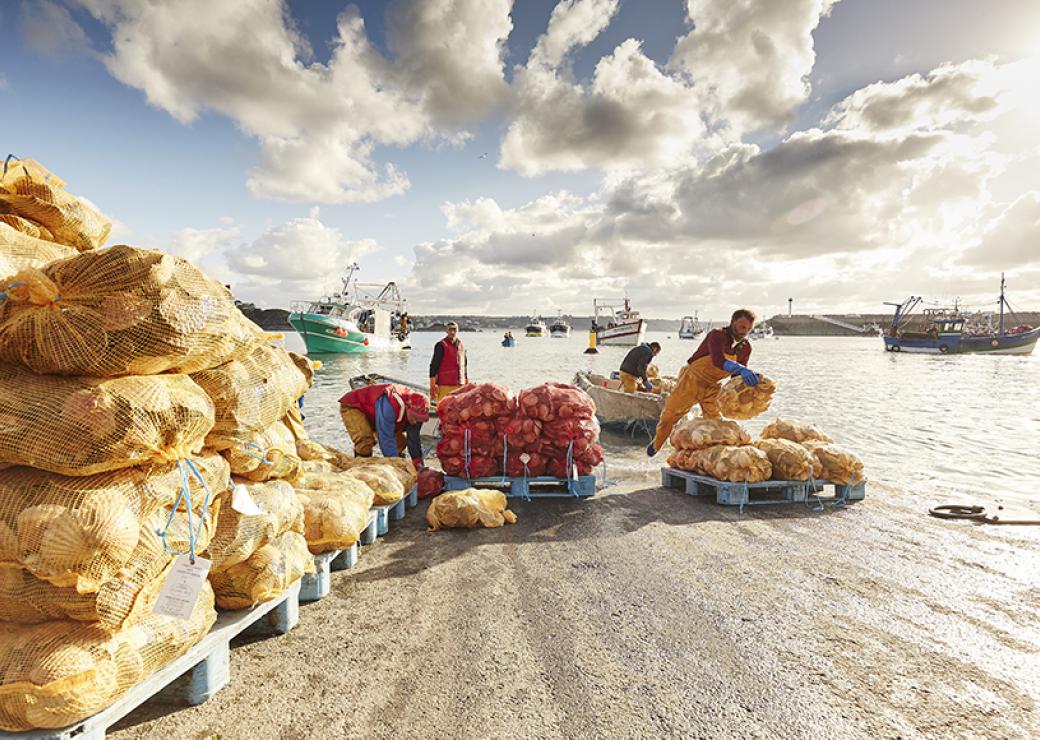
[531,435]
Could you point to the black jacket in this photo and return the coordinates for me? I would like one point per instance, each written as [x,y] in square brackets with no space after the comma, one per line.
[636,361]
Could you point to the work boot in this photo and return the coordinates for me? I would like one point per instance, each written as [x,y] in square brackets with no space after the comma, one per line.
[650,451]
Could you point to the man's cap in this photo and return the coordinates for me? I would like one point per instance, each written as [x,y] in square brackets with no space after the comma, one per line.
[419,405]
[451,325]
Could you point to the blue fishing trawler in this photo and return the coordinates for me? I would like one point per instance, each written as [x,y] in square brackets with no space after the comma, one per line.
[953,331]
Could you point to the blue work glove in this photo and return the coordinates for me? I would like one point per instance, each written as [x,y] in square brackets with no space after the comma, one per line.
[647,385]
[735,368]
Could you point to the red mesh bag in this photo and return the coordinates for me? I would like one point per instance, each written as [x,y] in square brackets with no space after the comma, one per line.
[515,466]
[557,467]
[479,465]
[520,431]
[431,482]
[454,445]
[474,402]
[552,401]
[483,435]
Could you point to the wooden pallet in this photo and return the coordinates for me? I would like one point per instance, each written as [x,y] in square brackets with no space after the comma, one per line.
[192,678]
[543,486]
[396,511]
[317,585]
[766,492]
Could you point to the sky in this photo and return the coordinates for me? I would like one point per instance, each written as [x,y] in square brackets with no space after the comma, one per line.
[526,156]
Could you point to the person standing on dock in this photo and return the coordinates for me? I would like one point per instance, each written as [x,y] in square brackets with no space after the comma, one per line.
[633,367]
[723,352]
[449,367]
[391,414]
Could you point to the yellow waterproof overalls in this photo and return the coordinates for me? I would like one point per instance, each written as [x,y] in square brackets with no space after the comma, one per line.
[698,383]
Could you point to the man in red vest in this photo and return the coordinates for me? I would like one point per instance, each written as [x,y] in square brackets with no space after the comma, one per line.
[448,368]
[387,412]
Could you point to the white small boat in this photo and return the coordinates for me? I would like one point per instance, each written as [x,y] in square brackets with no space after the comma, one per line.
[559,329]
[535,328]
[690,327]
[615,409]
[762,331]
[616,324]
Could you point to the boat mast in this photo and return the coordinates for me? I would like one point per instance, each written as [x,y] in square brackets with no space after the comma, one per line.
[1002,304]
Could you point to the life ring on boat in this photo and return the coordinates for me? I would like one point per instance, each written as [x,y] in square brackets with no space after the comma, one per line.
[944,348]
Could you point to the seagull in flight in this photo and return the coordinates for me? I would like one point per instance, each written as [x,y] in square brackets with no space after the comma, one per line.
[483,156]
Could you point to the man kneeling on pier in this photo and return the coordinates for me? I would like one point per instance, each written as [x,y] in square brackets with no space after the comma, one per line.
[723,353]
[388,413]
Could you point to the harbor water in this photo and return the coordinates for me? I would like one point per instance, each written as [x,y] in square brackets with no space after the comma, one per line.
[938,427]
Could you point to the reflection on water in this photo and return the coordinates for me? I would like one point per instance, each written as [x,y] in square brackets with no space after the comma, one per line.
[927,424]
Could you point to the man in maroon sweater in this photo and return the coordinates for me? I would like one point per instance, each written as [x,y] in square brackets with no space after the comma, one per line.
[724,352]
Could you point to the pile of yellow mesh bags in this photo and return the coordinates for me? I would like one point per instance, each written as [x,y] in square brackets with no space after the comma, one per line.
[738,400]
[787,450]
[473,507]
[129,384]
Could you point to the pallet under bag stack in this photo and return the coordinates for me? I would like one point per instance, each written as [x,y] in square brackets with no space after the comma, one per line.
[103,471]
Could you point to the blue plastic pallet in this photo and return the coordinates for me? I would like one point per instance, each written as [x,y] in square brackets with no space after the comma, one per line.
[317,585]
[542,486]
[396,511]
[766,492]
[191,679]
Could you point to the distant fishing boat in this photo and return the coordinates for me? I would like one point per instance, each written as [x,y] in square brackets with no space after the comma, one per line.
[361,317]
[535,328]
[953,331]
[690,327]
[616,324]
[508,340]
[762,331]
[559,329]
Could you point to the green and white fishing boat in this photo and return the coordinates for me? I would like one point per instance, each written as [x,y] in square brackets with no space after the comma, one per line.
[361,317]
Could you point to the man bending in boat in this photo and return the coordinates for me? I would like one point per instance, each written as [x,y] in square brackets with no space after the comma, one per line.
[723,352]
[449,367]
[391,414]
[633,367]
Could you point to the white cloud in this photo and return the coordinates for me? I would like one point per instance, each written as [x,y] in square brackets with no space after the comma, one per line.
[750,60]
[573,23]
[1011,240]
[197,244]
[49,29]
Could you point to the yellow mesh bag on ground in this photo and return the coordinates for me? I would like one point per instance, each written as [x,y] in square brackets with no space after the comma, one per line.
[266,455]
[80,531]
[251,393]
[789,459]
[383,481]
[401,468]
[794,430]
[836,463]
[122,600]
[58,673]
[30,192]
[735,464]
[20,250]
[698,433]
[467,509]
[121,311]
[238,536]
[737,400]
[83,426]
[336,517]
[265,574]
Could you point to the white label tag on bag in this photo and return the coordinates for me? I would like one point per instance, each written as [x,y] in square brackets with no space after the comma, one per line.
[243,503]
[574,472]
[181,589]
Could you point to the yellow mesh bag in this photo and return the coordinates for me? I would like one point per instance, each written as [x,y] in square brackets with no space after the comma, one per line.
[401,468]
[836,463]
[467,509]
[698,433]
[794,430]
[310,451]
[735,464]
[266,455]
[83,426]
[383,481]
[58,673]
[251,393]
[20,249]
[120,311]
[238,536]
[789,459]
[316,466]
[265,574]
[122,600]
[80,531]
[737,400]
[29,191]
[336,517]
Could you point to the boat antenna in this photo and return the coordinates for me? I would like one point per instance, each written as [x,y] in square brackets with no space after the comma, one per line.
[1002,301]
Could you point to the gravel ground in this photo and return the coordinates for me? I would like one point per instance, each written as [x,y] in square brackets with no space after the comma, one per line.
[644,612]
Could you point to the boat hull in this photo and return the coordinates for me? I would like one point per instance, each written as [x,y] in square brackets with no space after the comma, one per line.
[559,333]
[624,335]
[329,335]
[955,344]
[620,410]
